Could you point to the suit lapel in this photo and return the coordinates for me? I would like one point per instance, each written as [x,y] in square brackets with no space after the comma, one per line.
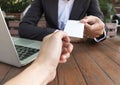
[52,10]
[77,10]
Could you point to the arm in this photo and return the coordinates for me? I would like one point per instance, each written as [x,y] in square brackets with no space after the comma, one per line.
[28,26]
[43,69]
[36,74]
[94,10]
[95,29]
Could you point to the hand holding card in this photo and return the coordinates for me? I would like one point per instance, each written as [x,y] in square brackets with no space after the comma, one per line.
[74,28]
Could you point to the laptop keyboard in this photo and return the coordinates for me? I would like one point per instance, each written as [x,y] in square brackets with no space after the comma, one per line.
[25,52]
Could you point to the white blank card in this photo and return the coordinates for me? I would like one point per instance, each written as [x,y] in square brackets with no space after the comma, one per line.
[74,28]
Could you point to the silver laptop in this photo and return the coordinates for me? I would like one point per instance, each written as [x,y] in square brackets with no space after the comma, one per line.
[16,51]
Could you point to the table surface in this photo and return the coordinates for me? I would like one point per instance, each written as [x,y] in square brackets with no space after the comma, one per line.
[89,64]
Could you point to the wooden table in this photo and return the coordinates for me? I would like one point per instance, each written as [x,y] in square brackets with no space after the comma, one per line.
[89,64]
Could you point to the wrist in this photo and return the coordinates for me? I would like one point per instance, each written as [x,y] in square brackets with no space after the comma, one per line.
[48,71]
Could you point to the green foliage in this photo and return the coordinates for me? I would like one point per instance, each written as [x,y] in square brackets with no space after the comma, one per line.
[14,5]
[107,9]
[117,1]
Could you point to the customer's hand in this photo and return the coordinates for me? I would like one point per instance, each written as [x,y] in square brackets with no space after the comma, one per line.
[94,27]
[55,48]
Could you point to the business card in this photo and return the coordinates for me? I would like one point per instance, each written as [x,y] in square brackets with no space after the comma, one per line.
[74,28]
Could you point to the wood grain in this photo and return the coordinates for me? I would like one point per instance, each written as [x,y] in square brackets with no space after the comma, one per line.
[89,64]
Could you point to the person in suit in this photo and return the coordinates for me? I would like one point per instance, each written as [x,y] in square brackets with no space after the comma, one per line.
[43,69]
[57,12]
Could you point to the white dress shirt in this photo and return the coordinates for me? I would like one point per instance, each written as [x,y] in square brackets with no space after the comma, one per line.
[64,10]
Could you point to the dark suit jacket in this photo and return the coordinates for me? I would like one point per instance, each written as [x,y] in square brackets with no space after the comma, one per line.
[28,27]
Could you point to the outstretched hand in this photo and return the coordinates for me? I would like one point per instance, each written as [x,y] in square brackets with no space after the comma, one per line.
[94,27]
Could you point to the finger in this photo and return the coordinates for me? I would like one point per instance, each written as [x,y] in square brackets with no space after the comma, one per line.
[88,30]
[61,35]
[64,50]
[94,21]
[65,53]
[88,27]
[91,19]
[68,46]
[83,21]
[93,29]
[63,61]
[64,58]
[66,39]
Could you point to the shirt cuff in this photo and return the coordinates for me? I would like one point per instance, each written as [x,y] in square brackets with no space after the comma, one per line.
[101,37]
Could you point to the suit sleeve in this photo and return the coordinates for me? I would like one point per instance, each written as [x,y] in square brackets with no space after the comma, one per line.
[94,9]
[28,26]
